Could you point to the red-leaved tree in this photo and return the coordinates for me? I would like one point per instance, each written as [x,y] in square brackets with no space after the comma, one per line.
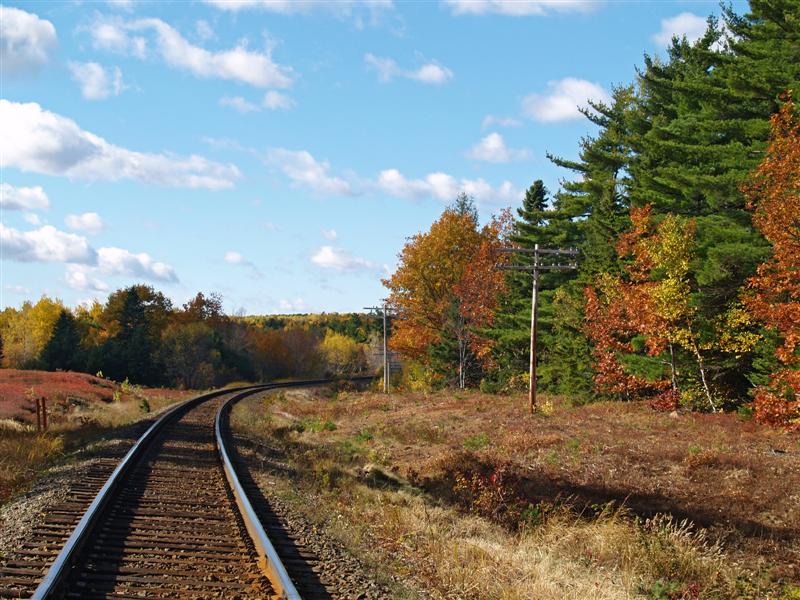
[773,192]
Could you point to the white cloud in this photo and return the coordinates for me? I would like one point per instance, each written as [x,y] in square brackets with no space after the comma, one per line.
[23,198]
[563,100]
[32,218]
[16,289]
[491,120]
[276,101]
[304,169]
[46,244]
[387,69]
[96,82]
[297,305]
[89,222]
[111,35]
[234,258]
[239,104]
[517,8]
[444,187]
[686,23]
[328,257]
[272,101]
[340,7]
[40,141]
[26,41]
[204,30]
[330,234]
[79,278]
[118,261]
[237,64]
[493,149]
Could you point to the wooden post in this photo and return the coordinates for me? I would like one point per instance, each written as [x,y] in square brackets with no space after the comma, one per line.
[534,307]
[38,414]
[44,414]
[386,369]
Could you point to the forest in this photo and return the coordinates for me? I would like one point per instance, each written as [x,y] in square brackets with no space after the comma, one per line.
[684,204]
[139,336]
[685,207]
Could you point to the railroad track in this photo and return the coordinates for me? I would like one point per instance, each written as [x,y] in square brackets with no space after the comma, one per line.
[170,520]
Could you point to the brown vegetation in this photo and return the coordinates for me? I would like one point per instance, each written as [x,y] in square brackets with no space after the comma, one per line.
[467,485]
[80,407]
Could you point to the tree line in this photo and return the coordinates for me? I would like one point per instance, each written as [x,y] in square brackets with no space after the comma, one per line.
[685,207]
[140,336]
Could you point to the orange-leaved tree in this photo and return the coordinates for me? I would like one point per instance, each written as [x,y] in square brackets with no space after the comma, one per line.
[773,192]
[444,292]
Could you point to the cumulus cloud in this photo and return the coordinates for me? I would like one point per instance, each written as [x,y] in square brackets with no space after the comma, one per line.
[234,258]
[23,198]
[272,101]
[237,64]
[276,101]
[330,234]
[239,104]
[40,141]
[444,187]
[89,222]
[118,261]
[340,7]
[563,100]
[46,244]
[303,169]
[328,257]
[685,24]
[26,41]
[79,278]
[297,305]
[516,8]
[96,82]
[387,69]
[491,120]
[493,149]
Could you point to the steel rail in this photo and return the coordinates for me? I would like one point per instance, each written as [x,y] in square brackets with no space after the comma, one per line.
[269,560]
[58,572]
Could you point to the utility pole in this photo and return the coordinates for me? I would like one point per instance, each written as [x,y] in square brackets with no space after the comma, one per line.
[542,261]
[387,371]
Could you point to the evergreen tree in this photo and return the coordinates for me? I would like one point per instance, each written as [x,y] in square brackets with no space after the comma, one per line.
[63,349]
[464,205]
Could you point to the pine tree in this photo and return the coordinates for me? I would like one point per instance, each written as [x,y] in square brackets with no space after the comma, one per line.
[63,349]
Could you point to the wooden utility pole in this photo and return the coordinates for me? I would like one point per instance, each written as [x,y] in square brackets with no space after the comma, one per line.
[383,311]
[536,266]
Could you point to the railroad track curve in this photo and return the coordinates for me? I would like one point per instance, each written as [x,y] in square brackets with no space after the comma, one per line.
[172,520]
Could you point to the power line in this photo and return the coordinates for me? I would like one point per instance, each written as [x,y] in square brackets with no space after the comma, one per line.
[539,254]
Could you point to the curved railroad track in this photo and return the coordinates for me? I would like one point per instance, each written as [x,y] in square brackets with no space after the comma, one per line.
[170,520]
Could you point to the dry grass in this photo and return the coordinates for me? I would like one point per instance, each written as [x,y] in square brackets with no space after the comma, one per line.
[81,409]
[354,480]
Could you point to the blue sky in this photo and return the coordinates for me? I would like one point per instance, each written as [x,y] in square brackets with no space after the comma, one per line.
[280,153]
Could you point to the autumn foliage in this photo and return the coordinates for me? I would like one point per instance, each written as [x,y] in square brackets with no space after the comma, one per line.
[445,292]
[774,299]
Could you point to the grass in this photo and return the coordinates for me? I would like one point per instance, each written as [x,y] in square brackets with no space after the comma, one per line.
[81,409]
[576,505]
